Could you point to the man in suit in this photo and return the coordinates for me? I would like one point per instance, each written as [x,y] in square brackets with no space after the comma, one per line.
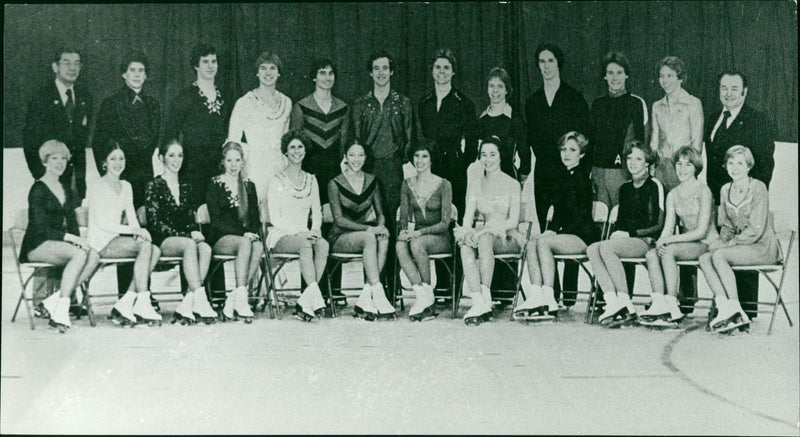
[60,110]
[738,124]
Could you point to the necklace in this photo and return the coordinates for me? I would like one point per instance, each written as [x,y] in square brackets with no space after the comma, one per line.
[215,106]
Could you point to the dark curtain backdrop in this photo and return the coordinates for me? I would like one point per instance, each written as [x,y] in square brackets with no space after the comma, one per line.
[759,38]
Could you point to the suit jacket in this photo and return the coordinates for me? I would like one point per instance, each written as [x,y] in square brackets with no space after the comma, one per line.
[750,129]
[47,119]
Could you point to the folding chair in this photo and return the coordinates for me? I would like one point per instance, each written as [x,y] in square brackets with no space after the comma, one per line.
[514,262]
[20,225]
[600,215]
[219,261]
[447,259]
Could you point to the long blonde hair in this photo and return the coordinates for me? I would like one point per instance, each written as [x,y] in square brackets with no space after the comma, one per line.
[243,199]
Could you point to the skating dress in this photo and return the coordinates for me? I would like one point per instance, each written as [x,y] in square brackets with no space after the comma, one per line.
[48,219]
[495,211]
[349,206]
[108,210]
[749,222]
[641,210]
[259,129]
[290,207]
[223,210]
[687,208]
[166,217]
[429,211]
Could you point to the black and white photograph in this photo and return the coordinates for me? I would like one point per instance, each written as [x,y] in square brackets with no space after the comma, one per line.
[509,217]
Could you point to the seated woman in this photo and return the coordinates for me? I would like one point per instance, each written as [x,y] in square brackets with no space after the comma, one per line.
[171,222]
[746,237]
[114,231]
[640,220]
[496,197]
[425,216]
[294,195]
[53,236]
[233,209]
[690,202]
[353,194]
[570,231]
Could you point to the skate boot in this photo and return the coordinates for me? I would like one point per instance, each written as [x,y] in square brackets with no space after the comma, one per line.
[201,309]
[304,308]
[317,301]
[534,303]
[423,304]
[241,306]
[144,311]
[724,312]
[183,313]
[658,307]
[46,307]
[59,317]
[122,312]
[614,308]
[550,299]
[479,312]
[738,320]
[382,305]
[364,307]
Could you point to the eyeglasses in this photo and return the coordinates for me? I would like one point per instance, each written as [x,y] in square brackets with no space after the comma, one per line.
[70,64]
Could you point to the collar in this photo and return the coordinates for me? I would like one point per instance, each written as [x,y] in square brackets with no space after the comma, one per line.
[616,94]
[392,96]
[555,86]
[131,95]
[506,111]
[682,96]
[62,90]
[734,112]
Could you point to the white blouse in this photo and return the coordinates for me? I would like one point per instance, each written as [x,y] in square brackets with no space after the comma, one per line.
[106,209]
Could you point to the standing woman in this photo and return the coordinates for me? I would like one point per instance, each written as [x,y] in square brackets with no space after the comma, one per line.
[499,120]
[259,120]
[571,228]
[447,116]
[170,206]
[496,197]
[53,236]
[425,203]
[114,231]
[293,196]
[640,220]
[353,196]
[235,221]
[688,205]
[325,120]
[198,119]
[746,237]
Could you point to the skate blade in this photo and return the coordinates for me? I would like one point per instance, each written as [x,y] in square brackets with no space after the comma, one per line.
[537,318]
[732,327]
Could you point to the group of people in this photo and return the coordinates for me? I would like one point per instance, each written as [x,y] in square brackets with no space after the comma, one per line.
[267,160]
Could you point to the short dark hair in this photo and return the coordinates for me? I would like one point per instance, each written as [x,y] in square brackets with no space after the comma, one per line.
[675,64]
[490,139]
[502,74]
[552,48]
[691,154]
[198,52]
[109,147]
[63,50]
[163,148]
[444,54]
[383,53]
[354,142]
[650,157]
[618,58]
[294,134]
[422,144]
[268,56]
[132,57]
[576,136]
[732,72]
[319,64]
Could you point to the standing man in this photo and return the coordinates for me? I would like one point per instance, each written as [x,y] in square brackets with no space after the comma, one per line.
[738,124]
[552,111]
[131,118]
[615,120]
[61,110]
[447,116]
[383,123]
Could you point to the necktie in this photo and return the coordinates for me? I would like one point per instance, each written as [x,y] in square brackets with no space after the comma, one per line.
[725,116]
[70,105]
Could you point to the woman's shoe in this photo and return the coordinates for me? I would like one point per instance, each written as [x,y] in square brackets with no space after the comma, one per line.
[658,307]
[423,304]
[382,305]
[144,311]
[122,312]
[364,307]
[60,315]
[201,309]
[241,307]
[479,312]
[183,313]
[533,303]
[304,308]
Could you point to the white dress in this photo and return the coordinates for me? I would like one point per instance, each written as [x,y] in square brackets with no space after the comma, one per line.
[290,207]
[263,128]
[106,209]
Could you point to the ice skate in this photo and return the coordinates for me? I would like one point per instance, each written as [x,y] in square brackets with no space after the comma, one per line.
[317,301]
[658,307]
[423,308]
[201,309]
[47,307]
[304,308]
[183,313]
[364,307]
[122,312]
[144,311]
[479,312]
[730,318]
[663,322]
[59,317]
[241,306]
[614,308]
[622,318]
[725,312]
[382,305]
[534,303]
